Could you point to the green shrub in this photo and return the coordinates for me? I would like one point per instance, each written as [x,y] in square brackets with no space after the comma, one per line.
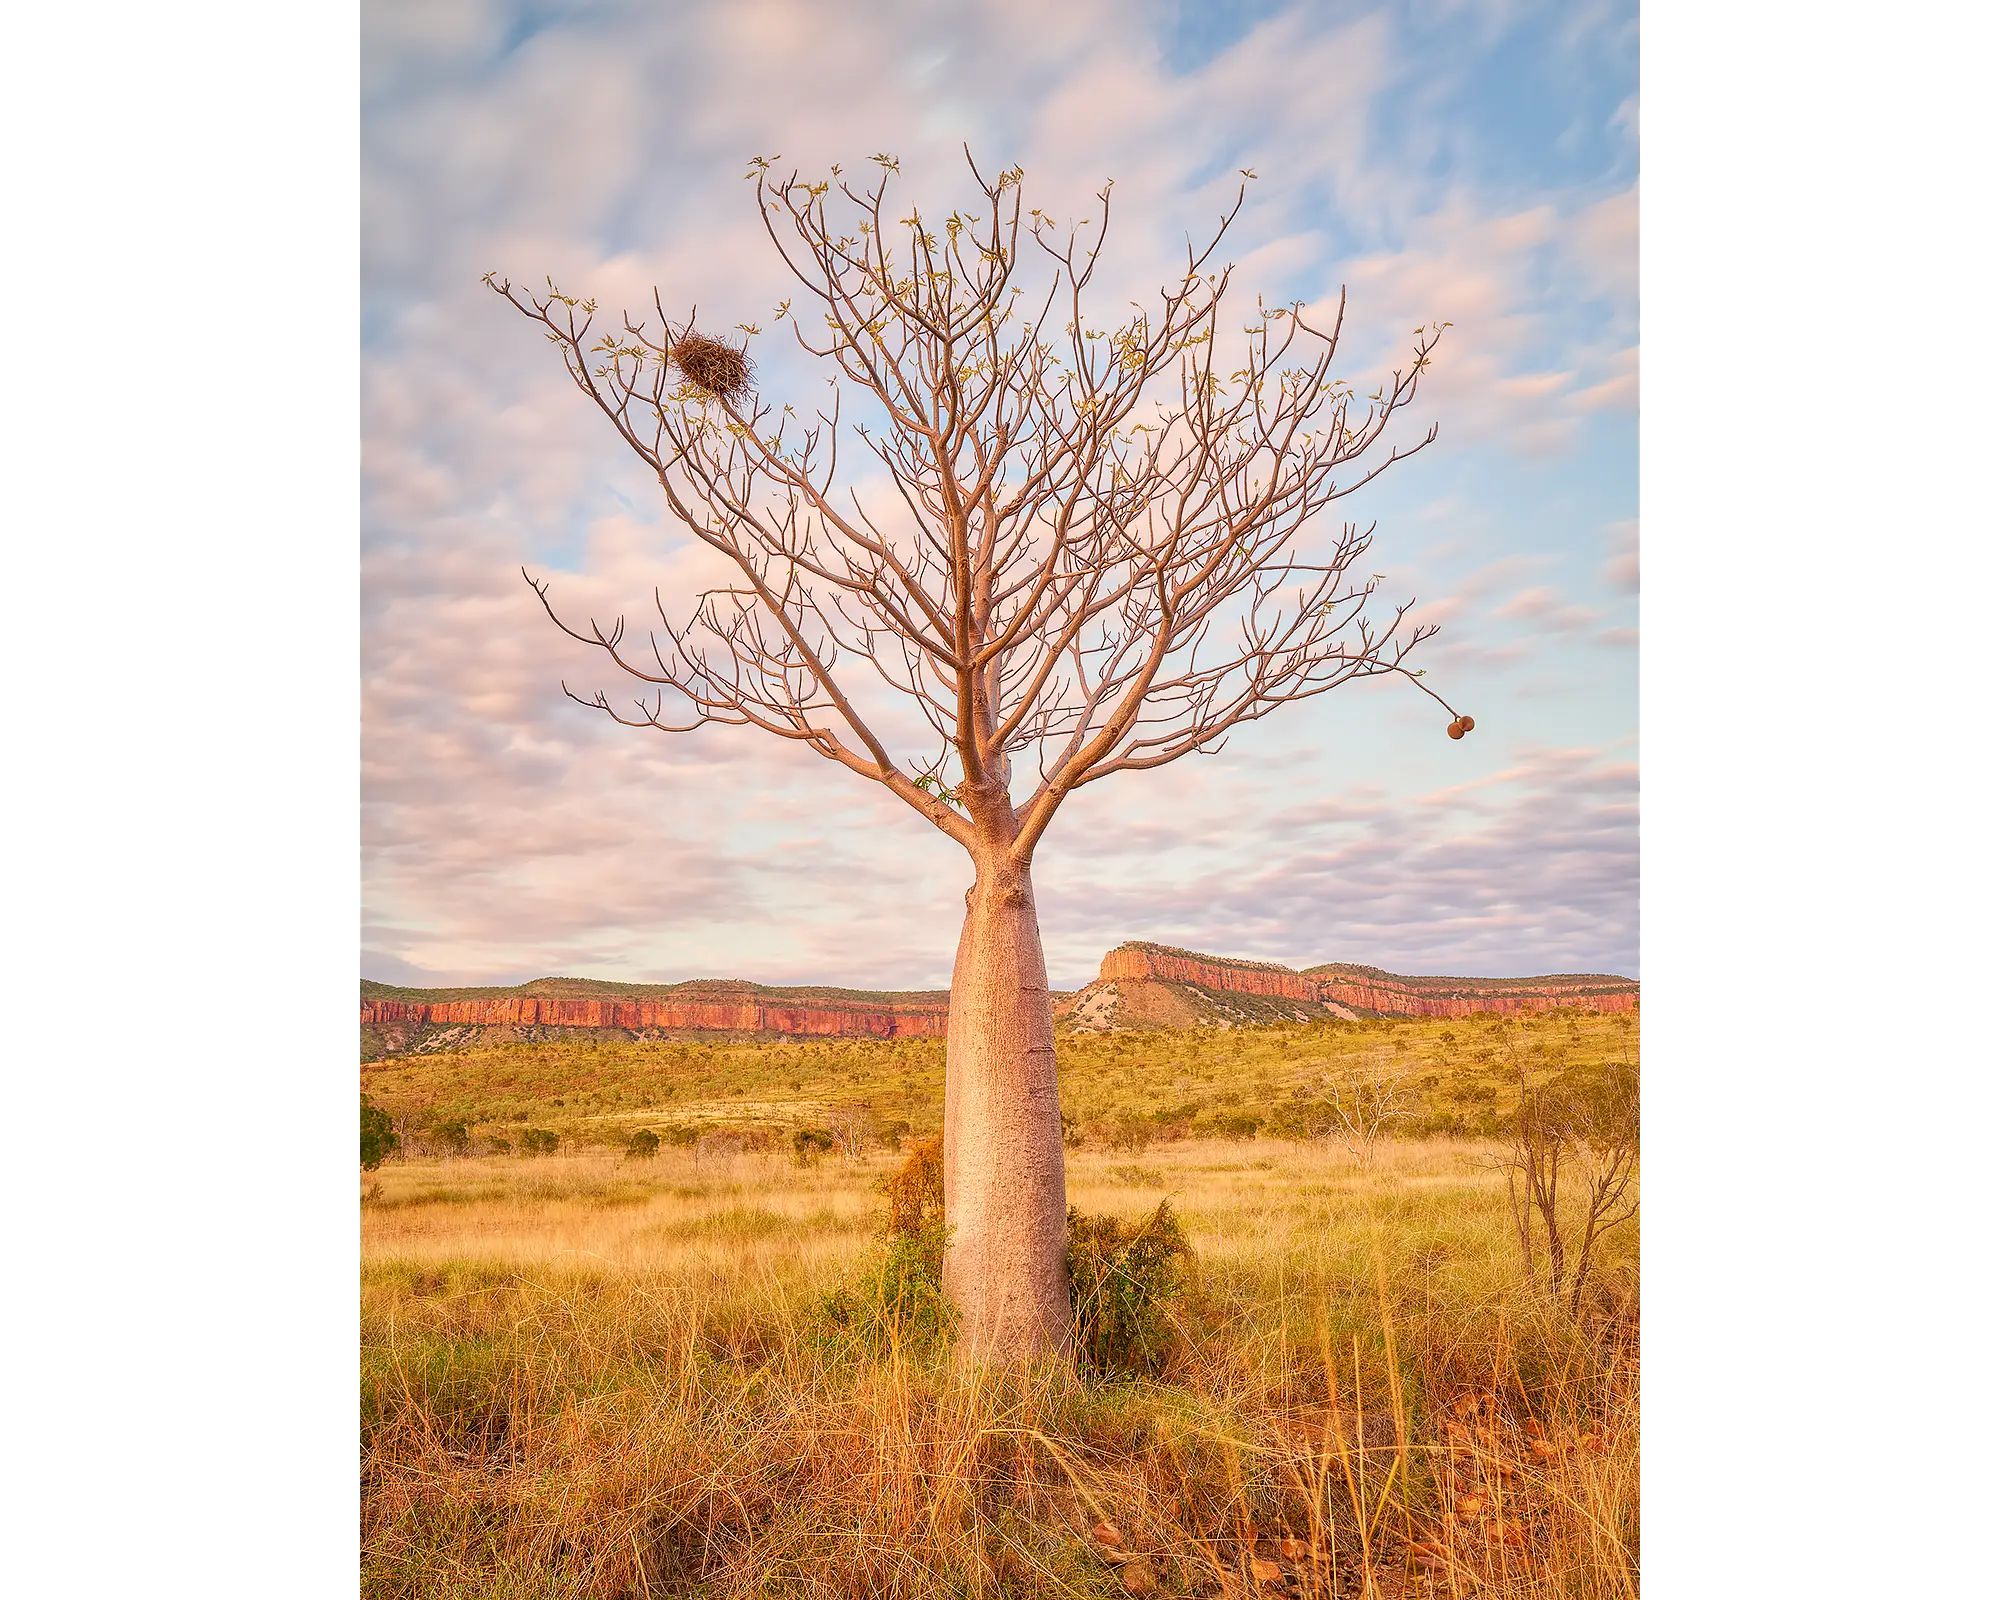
[452,1138]
[1124,1282]
[1131,1133]
[538,1142]
[1300,1117]
[1229,1125]
[900,1296]
[684,1138]
[642,1146]
[378,1135]
[809,1144]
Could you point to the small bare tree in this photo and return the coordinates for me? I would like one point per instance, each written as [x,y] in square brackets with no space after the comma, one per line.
[850,1127]
[1091,563]
[1577,1136]
[1362,1103]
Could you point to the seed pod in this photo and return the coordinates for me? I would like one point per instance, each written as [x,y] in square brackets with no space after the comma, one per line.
[1465,723]
[1457,728]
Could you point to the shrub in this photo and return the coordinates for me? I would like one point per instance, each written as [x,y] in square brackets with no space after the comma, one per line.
[1299,1119]
[901,1294]
[538,1142]
[451,1138]
[1229,1125]
[642,1146]
[684,1138]
[915,1190]
[378,1135]
[1124,1281]
[809,1144]
[1130,1133]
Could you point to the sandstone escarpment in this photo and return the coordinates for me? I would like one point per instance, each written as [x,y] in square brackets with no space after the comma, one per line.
[400,1019]
[1139,983]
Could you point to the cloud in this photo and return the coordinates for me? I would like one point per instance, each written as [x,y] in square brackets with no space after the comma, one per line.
[508,831]
[1529,869]
[1621,570]
[1543,607]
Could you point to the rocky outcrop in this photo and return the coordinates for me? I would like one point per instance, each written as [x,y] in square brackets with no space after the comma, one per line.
[1138,985]
[703,1007]
[1157,961]
[1342,989]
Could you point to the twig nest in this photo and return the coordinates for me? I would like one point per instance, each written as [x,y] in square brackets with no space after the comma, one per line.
[1460,727]
[720,371]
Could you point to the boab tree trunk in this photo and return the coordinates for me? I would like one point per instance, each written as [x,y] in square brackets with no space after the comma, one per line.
[1004,1199]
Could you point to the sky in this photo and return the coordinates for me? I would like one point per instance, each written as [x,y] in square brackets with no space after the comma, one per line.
[1473,163]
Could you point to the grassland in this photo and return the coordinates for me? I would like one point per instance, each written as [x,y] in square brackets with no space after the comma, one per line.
[1463,1074]
[587,1376]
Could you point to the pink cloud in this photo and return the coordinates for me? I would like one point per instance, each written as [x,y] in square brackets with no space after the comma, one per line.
[507,830]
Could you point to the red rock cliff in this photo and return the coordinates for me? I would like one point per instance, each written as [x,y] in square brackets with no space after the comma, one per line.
[1141,961]
[892,1017]
[1368,989]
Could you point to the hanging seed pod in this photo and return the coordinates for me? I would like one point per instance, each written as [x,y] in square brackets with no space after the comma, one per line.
[720,371]
[1465,723]
[1457,728]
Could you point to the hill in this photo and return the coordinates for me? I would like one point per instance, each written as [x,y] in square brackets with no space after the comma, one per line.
[1139,986]
[1154,985]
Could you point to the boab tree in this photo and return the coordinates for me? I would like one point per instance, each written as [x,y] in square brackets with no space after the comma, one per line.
[1095,560]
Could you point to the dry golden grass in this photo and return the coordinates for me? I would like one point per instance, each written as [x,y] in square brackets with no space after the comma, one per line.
[590,1377]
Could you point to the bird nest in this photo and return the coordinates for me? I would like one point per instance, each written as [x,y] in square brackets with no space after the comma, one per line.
[720,371]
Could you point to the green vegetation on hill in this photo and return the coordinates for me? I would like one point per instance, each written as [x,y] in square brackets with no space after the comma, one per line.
[1457,1075]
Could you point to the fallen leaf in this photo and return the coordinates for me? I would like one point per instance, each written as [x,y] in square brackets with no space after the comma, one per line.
[1427,1554]
[1543,1448]
[1502,1532]
[1470,1505]
[1137,1576]
[1294,1549]
[1262,1571]
[1107,1533]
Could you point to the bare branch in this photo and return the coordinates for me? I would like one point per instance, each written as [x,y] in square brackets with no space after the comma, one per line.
[1102,546]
